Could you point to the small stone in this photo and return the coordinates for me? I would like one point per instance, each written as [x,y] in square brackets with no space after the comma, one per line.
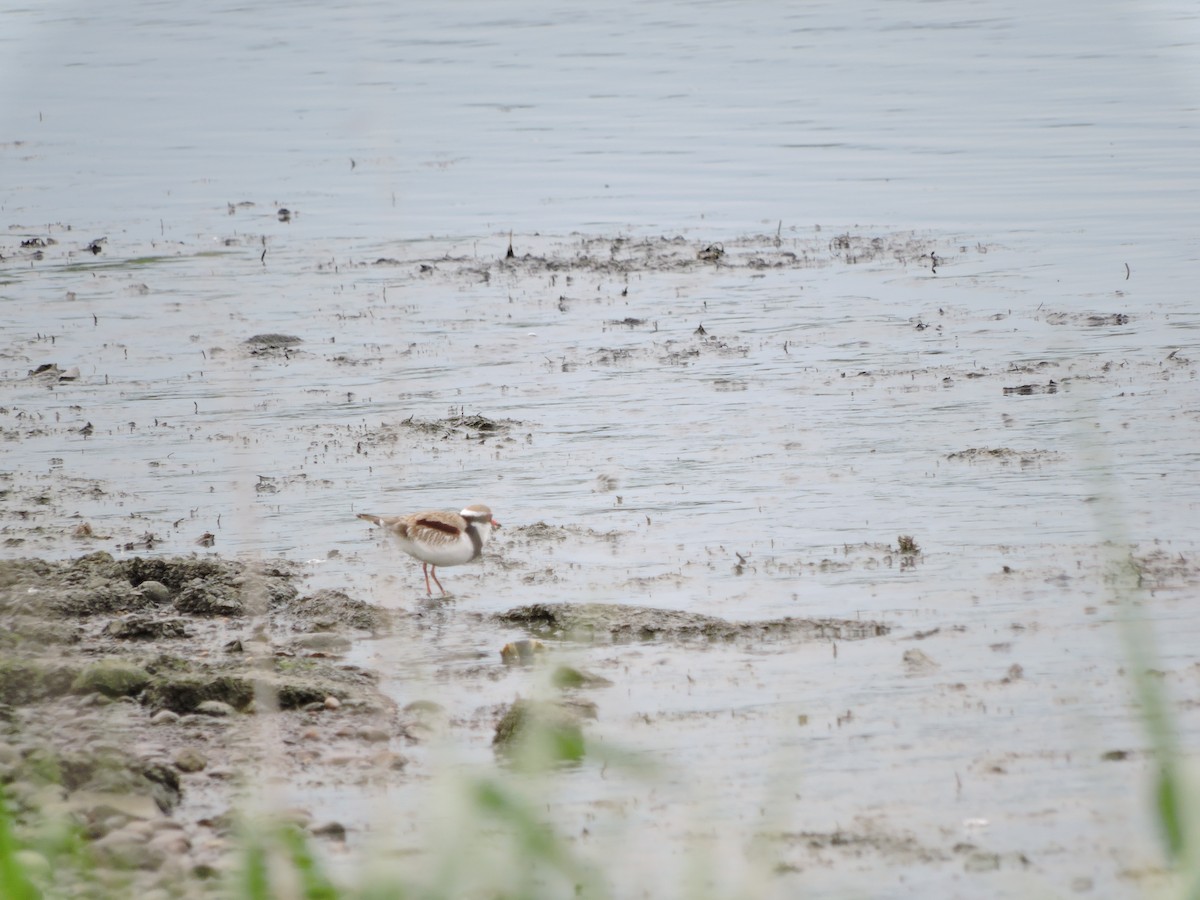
[917,662]
[155,591]
[171,843]
[126,850]
[140,829]
[164,717]
[373,734]
[423,707]
[216,708]
[982,862]
[332,703]
[521,652]
[334,830]
[389,760]
[190,760]
[111,677]
[565,677]
[97,805]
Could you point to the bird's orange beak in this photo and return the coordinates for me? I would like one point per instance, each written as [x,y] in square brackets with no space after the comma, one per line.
[495,524]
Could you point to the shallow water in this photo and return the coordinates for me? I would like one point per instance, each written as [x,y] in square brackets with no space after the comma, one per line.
[811,424]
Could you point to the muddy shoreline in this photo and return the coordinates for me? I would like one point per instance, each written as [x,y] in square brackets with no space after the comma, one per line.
[135,695]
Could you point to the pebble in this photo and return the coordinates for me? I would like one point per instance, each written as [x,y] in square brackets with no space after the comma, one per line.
[123,848]
[216,708]
[332,703]
[99,805]
[190,760]
[164,717]
[389,760]
[373,734]
[335,830]
[155,591]
[171,843]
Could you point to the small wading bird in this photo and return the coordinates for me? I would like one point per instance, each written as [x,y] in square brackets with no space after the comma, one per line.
[439,538]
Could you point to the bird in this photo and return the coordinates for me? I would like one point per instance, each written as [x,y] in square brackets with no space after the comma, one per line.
[440,538]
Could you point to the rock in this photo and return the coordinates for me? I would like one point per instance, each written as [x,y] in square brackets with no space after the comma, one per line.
[111,677]
[209,598]
[185,693]
[144,627]
[916,662]
[569,677]
[332,703]
[334,830]
[25,681]
[540,733]
[99,805]
[171,843]
[336,607]
[121,848]
[189,759]
[164,717]
[424,708]
[521,652]
[155,591]
[373,734]
[217,708]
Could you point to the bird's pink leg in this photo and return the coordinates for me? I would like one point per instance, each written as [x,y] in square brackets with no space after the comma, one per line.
[425,569]
[435,578]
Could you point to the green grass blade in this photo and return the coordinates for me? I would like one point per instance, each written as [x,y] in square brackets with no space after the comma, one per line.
[13,883]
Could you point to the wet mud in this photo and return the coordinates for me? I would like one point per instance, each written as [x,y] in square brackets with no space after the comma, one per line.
[802,516]
[128,687]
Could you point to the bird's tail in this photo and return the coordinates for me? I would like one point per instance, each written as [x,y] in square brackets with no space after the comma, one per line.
[374,520]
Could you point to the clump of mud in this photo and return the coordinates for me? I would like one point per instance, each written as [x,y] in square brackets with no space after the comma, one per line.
[470,427]
[127,684]
[616,622]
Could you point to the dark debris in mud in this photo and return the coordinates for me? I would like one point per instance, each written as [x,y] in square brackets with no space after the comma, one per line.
[1025,390]
[621,257]
[272,345]
[616,622]
[470,427]
[1002,455]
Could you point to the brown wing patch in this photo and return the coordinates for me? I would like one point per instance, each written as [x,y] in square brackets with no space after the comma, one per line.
[444,527]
